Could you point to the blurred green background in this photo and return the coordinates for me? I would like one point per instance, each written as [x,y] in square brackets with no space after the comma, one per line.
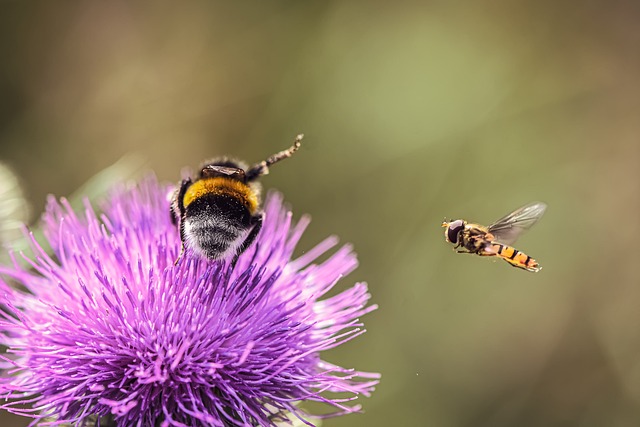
[412,111]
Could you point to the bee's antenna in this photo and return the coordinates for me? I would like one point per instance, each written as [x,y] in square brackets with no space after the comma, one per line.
[262,168]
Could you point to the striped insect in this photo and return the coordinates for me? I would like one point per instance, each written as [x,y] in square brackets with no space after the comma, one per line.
[219,212]
[496,239]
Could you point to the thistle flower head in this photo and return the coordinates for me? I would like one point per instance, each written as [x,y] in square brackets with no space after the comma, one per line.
[110,327]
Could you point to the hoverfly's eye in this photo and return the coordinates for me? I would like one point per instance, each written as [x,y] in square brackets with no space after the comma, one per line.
[454,229]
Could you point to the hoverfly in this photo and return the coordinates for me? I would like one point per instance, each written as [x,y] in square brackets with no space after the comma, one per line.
[496,239]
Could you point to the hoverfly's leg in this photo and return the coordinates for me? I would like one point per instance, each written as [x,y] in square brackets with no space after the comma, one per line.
[262,168]
[516,265]
[486,250]
[464,249]
[257,226]
[485,253]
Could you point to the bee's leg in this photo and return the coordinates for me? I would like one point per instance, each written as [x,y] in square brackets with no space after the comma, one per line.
[256,220]
[182,238]
[173,211]
[262,168]
[179,256]
[178,201]
[234,260]
[257,226]
[186,183]
[178,204]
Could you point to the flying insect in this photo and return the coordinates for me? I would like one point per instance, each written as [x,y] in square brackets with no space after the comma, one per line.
[219,213]
[496,239]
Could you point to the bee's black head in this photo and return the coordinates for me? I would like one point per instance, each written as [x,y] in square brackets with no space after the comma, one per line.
[226,169]
[453,230]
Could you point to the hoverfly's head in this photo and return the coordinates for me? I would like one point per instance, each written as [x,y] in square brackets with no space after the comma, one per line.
[453,229]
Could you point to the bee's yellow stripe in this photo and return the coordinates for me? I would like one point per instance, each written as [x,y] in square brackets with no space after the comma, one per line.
[222,186]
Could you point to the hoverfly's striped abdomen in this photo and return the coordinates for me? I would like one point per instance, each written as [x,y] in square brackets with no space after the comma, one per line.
[513,256]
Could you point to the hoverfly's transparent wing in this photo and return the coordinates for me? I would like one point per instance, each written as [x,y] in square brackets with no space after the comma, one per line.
[508,228]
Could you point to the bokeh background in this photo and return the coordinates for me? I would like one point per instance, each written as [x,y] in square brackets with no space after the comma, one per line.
[413,111]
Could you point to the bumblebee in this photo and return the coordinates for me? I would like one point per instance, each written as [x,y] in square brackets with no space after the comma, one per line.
[496,239]
[219,213]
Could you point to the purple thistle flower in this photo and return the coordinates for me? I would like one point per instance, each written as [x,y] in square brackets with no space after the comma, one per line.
[111,329]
